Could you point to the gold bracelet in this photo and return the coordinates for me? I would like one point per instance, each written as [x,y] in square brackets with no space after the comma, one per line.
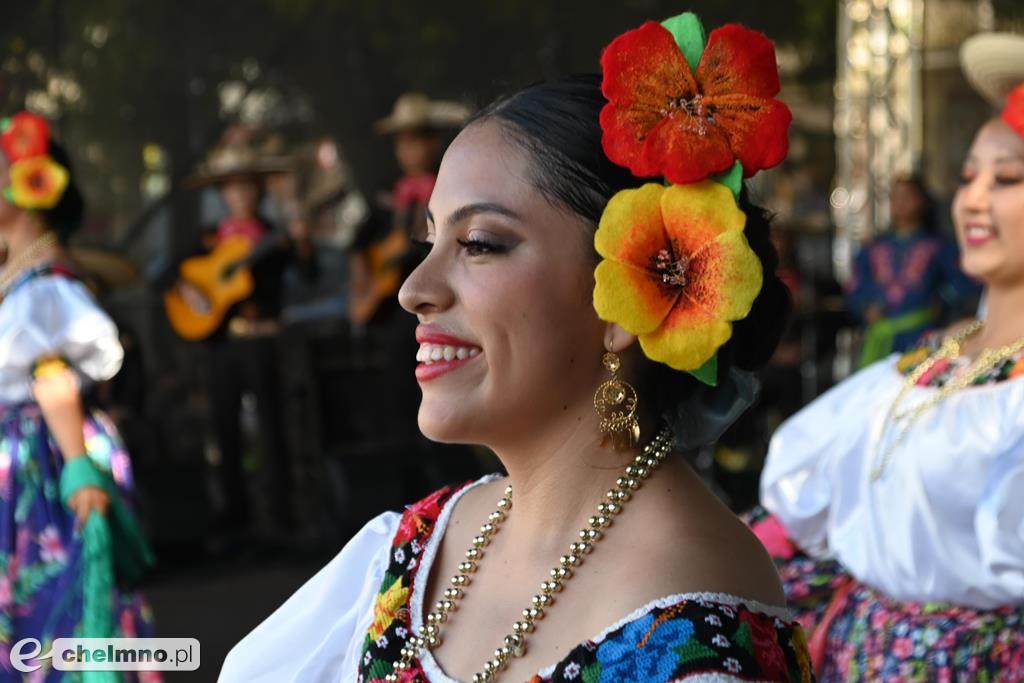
[49,367]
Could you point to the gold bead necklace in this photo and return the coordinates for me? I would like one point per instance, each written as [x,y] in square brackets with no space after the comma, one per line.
[950,349]
[15,267]
[514,644]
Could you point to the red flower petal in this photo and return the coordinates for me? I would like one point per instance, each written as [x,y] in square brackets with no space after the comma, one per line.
[644,70]
[27,137]
[738,60]
[678,150]
[757,130]
[1013,113]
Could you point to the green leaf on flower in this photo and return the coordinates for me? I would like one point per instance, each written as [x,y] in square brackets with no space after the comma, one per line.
[708,373]
[733,179]
[689,34]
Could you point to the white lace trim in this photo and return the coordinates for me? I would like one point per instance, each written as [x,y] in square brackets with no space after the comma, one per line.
[436,675]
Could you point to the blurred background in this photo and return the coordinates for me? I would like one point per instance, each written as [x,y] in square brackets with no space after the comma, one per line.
[143,94]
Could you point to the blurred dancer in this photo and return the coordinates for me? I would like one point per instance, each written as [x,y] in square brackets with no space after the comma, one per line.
[65,479]
[898,526]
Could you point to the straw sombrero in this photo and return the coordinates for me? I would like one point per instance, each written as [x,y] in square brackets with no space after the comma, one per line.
[993,64]
[236,161]
[107,268]
[416,111]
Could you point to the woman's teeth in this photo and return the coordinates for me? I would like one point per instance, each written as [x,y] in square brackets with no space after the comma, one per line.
[979,232]
[432,353]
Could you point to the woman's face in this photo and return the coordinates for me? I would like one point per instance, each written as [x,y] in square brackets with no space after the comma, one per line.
[505,296]
[906,205]
[988,209]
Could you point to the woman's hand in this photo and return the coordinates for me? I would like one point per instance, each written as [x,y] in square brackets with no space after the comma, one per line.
[86,499]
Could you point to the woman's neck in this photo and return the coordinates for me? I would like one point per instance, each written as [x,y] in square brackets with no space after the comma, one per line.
[558,478]
[21,235]
[1004,323]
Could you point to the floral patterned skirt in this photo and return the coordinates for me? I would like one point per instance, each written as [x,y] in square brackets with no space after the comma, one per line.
[40,551]
[871,637]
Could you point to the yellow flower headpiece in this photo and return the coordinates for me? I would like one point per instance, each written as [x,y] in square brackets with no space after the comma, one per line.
[37,181]
[677,269]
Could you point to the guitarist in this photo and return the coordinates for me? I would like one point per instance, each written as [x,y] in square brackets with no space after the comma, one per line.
[243,353]
[381,254]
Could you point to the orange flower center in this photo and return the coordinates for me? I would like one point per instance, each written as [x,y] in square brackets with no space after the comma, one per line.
[670,268]
[37,181]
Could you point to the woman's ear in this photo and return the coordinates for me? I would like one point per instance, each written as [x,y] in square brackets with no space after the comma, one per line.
[617,339]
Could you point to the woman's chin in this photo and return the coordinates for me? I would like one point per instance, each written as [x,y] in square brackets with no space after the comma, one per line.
[446,428]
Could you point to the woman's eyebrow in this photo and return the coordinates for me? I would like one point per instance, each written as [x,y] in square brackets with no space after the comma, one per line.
[470,210]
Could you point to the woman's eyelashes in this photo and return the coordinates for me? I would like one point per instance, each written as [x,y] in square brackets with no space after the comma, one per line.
[476,246]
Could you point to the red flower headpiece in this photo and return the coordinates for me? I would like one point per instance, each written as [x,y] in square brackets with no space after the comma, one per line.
[678,270]
[1013,112]
[37,181]
[680,109]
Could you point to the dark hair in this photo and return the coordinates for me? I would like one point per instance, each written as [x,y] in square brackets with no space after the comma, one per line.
[66,216]
[929,207]
[557,124]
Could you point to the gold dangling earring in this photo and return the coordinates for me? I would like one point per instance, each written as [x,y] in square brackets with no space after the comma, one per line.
[615,402]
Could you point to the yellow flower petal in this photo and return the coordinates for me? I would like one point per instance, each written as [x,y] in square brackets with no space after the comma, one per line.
[726,277]
[694,215]
[631,229]
[687,339]
[631,297]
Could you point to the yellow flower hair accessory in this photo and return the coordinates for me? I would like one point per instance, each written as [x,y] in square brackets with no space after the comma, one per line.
[37,183]
[677,270]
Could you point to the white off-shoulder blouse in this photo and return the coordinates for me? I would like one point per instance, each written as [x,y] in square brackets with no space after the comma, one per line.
[944,523]
[318,634]
[53,315]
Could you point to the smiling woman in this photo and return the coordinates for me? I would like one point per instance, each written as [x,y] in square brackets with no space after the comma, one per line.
[558,282]
[897,519]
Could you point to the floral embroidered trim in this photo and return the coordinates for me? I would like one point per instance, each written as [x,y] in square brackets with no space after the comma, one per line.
[943,371]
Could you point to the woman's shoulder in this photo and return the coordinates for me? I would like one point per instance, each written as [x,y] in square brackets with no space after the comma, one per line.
[703,547]
[694,636]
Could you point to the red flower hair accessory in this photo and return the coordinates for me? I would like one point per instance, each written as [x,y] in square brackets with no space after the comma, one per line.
[24,135]
[687,110]
[1013,112]
[36,180]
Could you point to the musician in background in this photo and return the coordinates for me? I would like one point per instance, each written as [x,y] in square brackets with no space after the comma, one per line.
[381,254]
[243,350]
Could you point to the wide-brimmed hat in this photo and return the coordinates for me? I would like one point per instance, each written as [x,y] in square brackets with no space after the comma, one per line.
[107,268]
[416,111]
[237,161]
[993,64]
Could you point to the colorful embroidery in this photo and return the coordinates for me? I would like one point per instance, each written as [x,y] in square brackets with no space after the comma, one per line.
[875,638]
[666,643]
[945,370]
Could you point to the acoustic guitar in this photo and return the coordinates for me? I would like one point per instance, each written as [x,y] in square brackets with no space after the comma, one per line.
[219,280]
[381,279]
